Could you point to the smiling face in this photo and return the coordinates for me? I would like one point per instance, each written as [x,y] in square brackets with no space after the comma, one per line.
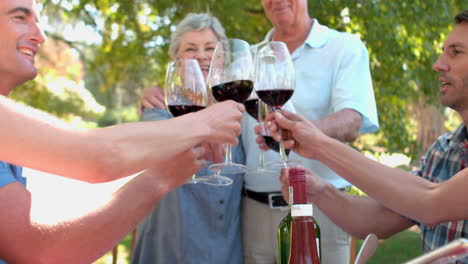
[452,66]
[199,45]
[19,42]
[286,13]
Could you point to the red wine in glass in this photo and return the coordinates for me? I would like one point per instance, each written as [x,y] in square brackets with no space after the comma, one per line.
[275,80]
[238,90]
[178,110]
[230,78]
[273,144]
[275,98]
[185,92]
[251,106]
[258,111]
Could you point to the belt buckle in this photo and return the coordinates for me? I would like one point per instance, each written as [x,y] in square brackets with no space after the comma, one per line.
[271,201]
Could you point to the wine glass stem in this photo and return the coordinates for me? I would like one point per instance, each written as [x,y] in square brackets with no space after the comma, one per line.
[261,161]
[283,155]
[193,180]
[228,156]
[282,151]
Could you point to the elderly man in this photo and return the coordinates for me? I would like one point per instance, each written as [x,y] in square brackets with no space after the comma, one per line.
[334,89]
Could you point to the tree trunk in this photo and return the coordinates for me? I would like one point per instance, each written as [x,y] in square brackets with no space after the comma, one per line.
[430,121]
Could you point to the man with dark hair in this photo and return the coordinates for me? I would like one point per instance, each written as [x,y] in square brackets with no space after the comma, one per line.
[42,231]
[434,198]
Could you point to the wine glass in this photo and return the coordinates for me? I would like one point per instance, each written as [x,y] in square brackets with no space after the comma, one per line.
[258,110]
[275,82]
[231,78]
[275,145]
[185,92]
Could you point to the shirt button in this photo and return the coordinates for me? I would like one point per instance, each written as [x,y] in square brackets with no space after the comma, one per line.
[221,217]
[221,201]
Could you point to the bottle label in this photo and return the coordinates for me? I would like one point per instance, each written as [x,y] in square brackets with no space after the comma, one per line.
[301,210]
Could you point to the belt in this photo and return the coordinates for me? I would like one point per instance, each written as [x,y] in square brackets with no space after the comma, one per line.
[273,199]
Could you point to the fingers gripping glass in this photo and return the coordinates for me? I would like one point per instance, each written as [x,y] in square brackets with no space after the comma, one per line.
[231,78]
[275,145]
[185,91]
[275,82]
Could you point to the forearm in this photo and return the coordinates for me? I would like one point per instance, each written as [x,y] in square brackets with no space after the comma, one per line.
[360,216]
[93,227]
[343,125]
[136,146]
[402,192]
[37,140]
[103,154]
[77,225]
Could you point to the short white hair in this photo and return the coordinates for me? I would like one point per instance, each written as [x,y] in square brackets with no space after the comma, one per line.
[194,22]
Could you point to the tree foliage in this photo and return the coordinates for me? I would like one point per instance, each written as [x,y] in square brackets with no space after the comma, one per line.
[403,39]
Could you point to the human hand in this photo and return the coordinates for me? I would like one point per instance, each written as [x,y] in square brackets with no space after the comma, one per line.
[260,131]
[152,97]
[223,122]
[214,152]
[314,184]
[170,174]
[303,136]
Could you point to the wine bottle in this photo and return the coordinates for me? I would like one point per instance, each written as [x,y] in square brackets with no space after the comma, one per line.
[284,231]
[284,234]
[298,233]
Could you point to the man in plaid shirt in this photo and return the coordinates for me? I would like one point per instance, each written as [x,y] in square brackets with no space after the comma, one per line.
[447,156]
[434,198]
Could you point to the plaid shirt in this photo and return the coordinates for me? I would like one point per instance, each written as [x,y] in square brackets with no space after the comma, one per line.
[447,156]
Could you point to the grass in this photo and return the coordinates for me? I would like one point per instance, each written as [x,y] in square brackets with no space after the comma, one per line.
[397,249]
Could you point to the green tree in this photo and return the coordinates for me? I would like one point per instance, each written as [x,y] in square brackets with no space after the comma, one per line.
[403,39]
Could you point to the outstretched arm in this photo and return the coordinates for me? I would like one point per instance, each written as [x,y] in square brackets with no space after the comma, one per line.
[358,216]
[409,195]
[37,140]
[53,227]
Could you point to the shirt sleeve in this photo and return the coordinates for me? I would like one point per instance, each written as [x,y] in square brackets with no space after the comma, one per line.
[155,114]
[7,175]
[353,83]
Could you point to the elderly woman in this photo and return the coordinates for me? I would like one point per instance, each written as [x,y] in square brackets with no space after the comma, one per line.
[196,223]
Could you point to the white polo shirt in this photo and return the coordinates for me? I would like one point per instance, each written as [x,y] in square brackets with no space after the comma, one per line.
[332,73]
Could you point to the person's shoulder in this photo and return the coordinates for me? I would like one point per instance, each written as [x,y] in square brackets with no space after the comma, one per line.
[345,37]
[444,140]
[457,135]
[346,40]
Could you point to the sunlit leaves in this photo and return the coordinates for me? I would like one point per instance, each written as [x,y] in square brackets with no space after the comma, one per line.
[403,39]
